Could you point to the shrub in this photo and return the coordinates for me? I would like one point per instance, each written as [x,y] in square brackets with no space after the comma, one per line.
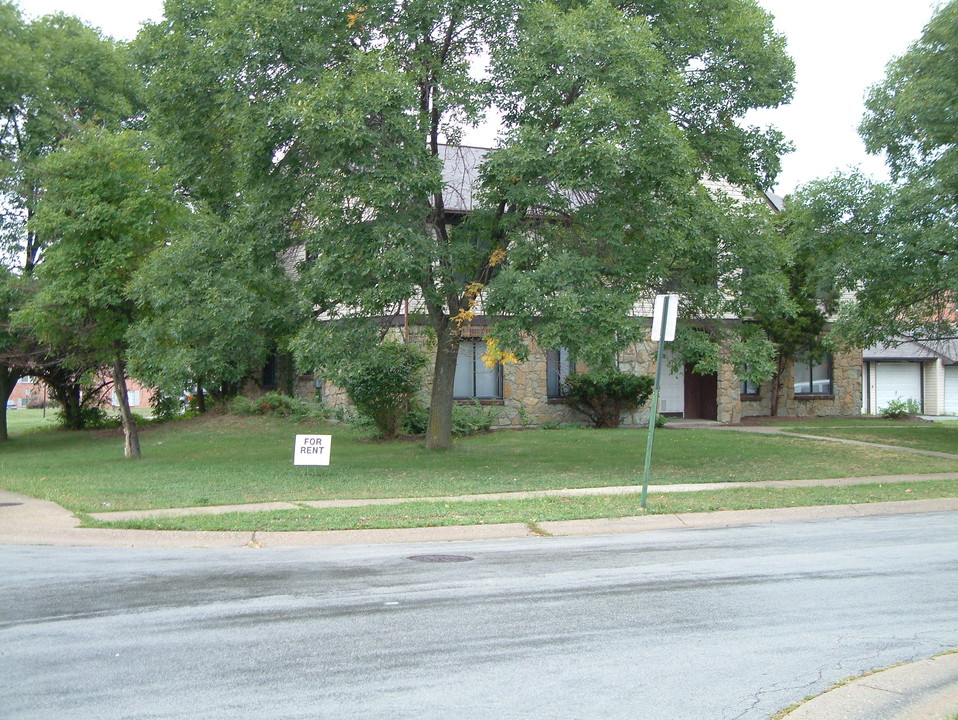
[88,416]
[242,405]
[273,403]
[467,418]
[605,396]
[416,419]
[381,384]
[899,408]
[472,418]
[165,407]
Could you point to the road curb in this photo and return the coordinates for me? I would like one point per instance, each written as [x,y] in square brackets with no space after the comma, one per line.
[923,690]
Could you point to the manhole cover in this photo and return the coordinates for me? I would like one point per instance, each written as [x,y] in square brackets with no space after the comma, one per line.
[440,558]
[9,504]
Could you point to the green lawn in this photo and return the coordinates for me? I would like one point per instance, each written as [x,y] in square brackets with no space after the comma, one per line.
[864,421]
[225,460]
[937,436]
[22,420]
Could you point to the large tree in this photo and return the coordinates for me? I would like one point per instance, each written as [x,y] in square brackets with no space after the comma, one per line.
[906,265]
[329,126]
[58,74]
[105,207]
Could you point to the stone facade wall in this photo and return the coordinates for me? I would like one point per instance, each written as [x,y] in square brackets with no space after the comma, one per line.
[524,395]
[845,399]
[525,403]
[639,359]
[730,406]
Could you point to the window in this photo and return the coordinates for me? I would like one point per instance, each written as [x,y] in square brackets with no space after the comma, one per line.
[271,373]
[132,398]
[558,367]
[813,377]
[749,388]
[746,386]
[473,378]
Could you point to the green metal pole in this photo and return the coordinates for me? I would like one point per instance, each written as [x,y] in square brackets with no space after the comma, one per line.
[654,412]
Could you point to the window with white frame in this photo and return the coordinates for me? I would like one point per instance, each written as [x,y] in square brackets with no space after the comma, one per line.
[558,367]
[132,398]
[473,378]
[747,387]
[813,377]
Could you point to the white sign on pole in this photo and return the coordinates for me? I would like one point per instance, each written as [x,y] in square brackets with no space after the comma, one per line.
[657,319]
[312,449]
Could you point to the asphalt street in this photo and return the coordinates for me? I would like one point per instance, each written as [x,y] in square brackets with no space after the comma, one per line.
[710,624]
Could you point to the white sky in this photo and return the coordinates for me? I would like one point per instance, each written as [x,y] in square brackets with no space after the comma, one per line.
[840,49]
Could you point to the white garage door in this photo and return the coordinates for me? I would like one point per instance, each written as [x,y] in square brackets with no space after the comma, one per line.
[951,389]
[901,380]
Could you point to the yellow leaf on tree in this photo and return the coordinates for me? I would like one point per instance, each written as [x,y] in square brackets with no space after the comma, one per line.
[355,17]
[464,316]
[473,289]
[494,355]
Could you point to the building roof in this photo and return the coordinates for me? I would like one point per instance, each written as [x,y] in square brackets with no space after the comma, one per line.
[902,350]
[460,177]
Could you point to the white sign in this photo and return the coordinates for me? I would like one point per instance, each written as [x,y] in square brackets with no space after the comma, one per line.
[657,319]
[312,449]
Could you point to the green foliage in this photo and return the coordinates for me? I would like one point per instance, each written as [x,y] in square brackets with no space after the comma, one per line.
[165,407]
[58,76]
[87,416]
[104,209]
[278,405]
[904,262]
[467,418]
[898,408]
[381,384]
[211,305]
[313,126]
[416,419]
[474,417]
[605,396]
[909,112]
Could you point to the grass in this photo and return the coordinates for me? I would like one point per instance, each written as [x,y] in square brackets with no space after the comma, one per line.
[226,460]
[535,511]
[860,421]
[22,420]
[938,437]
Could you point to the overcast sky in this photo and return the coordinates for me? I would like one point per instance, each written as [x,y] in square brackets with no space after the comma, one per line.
[840,48]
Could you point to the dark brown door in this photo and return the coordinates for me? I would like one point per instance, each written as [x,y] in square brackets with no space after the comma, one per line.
[701,395]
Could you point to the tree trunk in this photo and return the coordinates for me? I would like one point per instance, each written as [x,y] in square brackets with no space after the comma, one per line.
[200,397]
[439,427]
[777,386]
[8,379]
[68,394]
[131,438]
